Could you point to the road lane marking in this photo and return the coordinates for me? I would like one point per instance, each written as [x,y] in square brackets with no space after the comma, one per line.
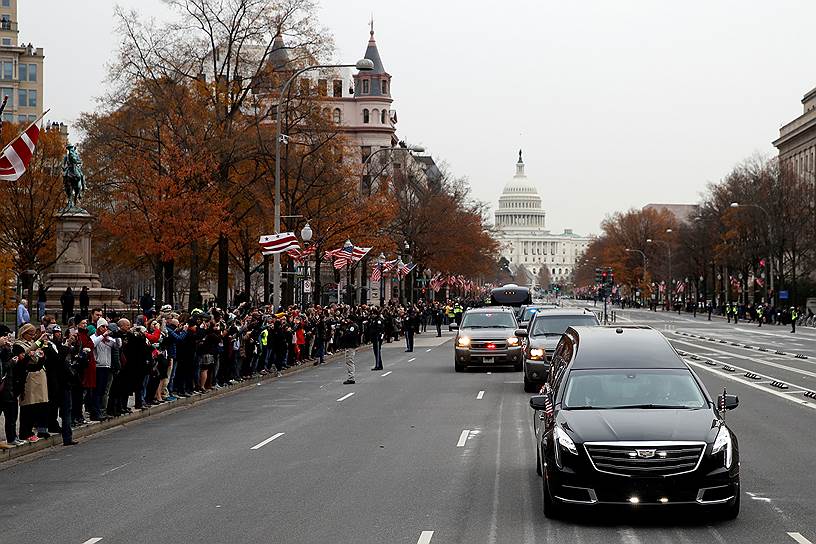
[96,539]
[412,359]
[463,438]
[387,373]
[344,397]
[754,359]
[114,469]
[426,536]
[426,351]
[786,396]
[480,396]
[267,441]
[799,538]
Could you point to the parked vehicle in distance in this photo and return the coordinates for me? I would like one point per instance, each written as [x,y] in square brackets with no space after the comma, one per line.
[624,420]
[488,336]
[543,334]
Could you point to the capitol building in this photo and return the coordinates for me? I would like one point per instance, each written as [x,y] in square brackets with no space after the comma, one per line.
[524,239]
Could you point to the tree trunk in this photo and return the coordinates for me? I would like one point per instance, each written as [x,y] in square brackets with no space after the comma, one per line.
[223,270]
[158,282]
[266,292]
[247,273]
[169,282]
[194,300]
[317,288]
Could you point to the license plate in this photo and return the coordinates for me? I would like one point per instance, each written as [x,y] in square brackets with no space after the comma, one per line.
[487,359]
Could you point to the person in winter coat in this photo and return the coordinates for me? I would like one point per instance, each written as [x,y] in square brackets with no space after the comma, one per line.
[83,395]
[34,390]
[84,302]
[349,340]
[67,303]
[9,405]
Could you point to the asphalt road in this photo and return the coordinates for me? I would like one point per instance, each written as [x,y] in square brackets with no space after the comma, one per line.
[412,454]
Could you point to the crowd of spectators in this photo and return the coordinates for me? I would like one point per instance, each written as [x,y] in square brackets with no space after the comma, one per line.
[97,366]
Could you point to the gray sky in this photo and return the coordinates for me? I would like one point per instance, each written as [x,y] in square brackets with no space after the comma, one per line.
[616,104]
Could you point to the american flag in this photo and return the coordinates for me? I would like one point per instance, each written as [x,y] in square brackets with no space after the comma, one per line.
[436,283]
[278,243]
[347,256]
[299,255]
[548,402]
[405,269]
[17,154]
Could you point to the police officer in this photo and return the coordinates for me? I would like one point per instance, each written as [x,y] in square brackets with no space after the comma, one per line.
[728,312]
[409,326]
[349,340]
[376,332]
[794,316]
[457,313]
[438,318]
[760,314]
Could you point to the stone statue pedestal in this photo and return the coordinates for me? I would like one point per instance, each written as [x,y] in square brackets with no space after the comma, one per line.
[73,266]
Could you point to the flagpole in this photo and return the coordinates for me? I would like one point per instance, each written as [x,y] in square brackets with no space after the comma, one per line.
[38,119]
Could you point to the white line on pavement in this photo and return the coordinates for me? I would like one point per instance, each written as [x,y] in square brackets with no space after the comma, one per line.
[426,351]
[267,441]
[463,438]
[412,359]
[114,469]
[387,373]
[755,386]
[754,359]
[480,396]
[96,539]
[799,538]
[425,537]
[344,397]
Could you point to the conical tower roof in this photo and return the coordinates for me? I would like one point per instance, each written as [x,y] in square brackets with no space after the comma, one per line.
[373,54]
[279,55]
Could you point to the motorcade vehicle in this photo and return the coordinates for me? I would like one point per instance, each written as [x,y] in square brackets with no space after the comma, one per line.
[488,337]
[511,295]
[543,334]
[528,311]
[623,420]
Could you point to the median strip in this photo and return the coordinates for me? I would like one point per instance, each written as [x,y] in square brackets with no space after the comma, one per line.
[267,441]
[463,438]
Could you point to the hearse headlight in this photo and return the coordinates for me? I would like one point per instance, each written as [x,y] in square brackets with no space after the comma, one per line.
[723,444]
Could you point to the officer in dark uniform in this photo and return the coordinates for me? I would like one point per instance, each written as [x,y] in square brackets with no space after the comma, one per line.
[376,332]
[438,318]
[408,324]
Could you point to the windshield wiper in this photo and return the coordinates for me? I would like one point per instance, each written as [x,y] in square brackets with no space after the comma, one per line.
[655,406]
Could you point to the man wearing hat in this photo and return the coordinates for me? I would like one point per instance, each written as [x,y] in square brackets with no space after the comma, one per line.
[103,347]
[61,379]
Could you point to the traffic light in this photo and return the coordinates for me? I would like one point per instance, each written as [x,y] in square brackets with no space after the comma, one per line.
[597,276]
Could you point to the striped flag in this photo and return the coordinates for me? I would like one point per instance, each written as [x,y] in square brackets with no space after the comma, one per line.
[278,243]
[17,154]
[299,255]
[406,269]
[347,256]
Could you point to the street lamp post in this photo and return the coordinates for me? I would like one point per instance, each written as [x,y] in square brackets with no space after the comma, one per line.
[669,252]
[770,241]
[306,234]
[642,254]
[362,65]
[381,264]
[409,293]
[348,247]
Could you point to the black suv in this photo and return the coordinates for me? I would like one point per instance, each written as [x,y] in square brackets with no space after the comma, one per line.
[488,337]
[624,420]
[544,332]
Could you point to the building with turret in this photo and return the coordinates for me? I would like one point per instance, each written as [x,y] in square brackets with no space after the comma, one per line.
[520,222]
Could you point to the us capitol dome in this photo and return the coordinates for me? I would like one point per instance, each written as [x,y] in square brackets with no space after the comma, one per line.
[520,222]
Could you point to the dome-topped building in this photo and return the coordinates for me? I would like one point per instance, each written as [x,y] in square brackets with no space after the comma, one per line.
[524,238]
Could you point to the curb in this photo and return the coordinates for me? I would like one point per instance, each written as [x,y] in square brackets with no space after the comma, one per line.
[22,453]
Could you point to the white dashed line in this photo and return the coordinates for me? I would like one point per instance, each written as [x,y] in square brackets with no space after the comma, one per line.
[114,469]
[344,397]
[799,538]
[265,442]
[463,438]
[425,537]
[480,396]
[412,359]
[96,539]
[426,351]
[387,373]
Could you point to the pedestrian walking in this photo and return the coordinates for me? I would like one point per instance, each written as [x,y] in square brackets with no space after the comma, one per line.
[349,340]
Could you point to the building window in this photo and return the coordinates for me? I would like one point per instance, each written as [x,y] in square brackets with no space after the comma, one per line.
[384,116]
[375,113]
[22,118]
[6,3]
[323,87]
[9,92]
[6,41]
[366,117]
[22,72]
[337,88]
[8,69]
[366,88]
[7,117]
[385,86]
[365,151]
[22,98]
[338,116]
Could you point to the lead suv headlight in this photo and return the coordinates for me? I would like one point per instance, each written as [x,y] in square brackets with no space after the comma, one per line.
[513,341]
[463,341]
[723,443]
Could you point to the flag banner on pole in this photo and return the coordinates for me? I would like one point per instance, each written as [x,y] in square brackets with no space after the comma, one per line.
[347,256]
[17,154]
[406,269]
[278,243]
[299,255]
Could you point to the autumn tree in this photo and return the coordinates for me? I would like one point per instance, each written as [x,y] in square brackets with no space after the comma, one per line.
[543,277]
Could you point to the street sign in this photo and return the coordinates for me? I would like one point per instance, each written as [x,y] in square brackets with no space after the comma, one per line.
[307,286]
[783,295]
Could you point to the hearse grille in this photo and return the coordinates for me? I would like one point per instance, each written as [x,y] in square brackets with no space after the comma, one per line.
[645,459]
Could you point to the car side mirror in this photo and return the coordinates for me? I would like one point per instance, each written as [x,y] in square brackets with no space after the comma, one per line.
[454,326]
[727,402]
[521,333]
[523,324]
[538,402]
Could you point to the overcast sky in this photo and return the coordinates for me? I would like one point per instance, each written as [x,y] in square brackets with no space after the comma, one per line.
[615,103]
